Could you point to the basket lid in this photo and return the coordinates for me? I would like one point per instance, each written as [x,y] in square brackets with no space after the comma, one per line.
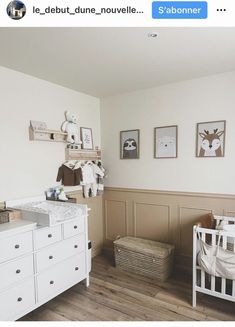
[141,245]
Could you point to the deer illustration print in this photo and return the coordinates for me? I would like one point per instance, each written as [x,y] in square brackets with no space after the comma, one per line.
[211,144]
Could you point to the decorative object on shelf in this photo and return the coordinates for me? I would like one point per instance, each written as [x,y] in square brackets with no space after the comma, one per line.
[38,132]
[211,139]
[74,154]
[56,193]
[71,128]
[129,144]
[9,215]
[166,142]
[86,137]
[38,125]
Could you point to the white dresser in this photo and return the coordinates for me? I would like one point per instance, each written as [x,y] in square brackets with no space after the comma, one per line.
[38,263]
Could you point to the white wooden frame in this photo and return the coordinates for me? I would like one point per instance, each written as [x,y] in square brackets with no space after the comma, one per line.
[199,278]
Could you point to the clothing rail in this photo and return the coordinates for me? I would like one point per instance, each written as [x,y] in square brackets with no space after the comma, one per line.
[75,154]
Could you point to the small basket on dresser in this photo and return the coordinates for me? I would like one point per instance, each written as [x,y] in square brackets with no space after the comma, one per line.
[7,215]
[148,258]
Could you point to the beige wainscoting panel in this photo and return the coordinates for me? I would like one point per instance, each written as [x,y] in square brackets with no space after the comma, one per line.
[95,220]
[164,216]
[188,216]
[116,211]
[152,221]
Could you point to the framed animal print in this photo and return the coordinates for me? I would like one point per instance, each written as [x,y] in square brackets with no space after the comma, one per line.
[166,142]
[129,144]
[211,139]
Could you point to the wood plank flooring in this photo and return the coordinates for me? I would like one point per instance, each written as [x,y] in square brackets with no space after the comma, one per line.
[115,295]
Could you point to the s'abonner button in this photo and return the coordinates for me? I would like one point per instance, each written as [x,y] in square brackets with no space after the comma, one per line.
[75,246]
[18,271]
[49,235]
[52,282]
[75,227]
[17,246]
[19,299]
[50,257]
[76,268]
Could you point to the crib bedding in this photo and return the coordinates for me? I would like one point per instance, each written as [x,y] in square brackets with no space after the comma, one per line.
[217,261]
[214,259]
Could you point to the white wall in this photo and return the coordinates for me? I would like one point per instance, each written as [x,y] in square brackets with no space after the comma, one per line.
[183,104]
[27,168]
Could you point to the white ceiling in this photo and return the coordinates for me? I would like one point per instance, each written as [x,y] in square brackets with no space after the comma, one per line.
[108,61]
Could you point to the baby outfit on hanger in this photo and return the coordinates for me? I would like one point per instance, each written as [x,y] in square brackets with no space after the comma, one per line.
[100,179]
[70,173]
[90,171]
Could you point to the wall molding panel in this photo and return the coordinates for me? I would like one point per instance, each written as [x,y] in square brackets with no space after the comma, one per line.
[161,216]
[117,211]
[144,217]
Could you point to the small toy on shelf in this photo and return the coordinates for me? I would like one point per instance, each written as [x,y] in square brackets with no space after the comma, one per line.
[70,126]
[56,193]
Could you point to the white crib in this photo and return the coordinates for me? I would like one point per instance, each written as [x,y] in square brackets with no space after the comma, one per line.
[202,282]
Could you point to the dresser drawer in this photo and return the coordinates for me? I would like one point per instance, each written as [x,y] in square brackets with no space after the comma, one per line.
[15,271]
[15,246]
[55,253]
[17,300]
[74,227]
[46,236]
[62,276]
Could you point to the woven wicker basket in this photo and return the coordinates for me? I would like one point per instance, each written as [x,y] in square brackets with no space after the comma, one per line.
[4,216]
[144,257]
[9,215]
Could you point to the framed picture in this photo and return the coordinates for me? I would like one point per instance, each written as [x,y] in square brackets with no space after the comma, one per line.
[129,144]
[211,139]
[166,142]
[86,138]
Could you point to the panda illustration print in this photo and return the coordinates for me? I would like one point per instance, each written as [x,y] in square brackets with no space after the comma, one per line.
[130,144]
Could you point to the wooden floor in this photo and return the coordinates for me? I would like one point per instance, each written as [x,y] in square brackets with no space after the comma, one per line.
[115,295]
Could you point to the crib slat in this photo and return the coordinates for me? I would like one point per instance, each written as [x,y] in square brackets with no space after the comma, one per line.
[203,275]
[233,288]
[213,277]
[223,285]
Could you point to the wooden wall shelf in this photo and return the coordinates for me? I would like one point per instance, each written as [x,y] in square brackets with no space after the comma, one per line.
[46,135]
[74,154]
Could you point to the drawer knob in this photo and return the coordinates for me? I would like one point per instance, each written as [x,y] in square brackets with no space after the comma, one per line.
[18,271]
[76,268]
[75,246]
[52,282]
[19,299]
[49,235]
[50,257]
[17,246]
[75,227]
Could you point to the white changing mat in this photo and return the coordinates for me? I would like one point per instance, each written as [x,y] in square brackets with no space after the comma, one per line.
[50,212]
[57,211]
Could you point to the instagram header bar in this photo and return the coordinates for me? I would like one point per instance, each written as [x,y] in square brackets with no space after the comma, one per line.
[108,13]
